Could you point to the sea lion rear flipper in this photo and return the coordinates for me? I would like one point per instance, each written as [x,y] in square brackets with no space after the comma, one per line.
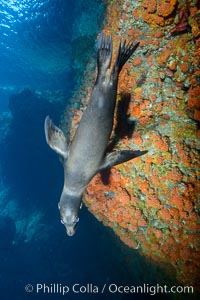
[119,157]
[124,53]
[104,56]
[55,138]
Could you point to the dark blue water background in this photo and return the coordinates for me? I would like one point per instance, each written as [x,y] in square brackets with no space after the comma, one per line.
[44,46]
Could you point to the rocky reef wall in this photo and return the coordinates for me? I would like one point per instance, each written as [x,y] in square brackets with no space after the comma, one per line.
[152,201]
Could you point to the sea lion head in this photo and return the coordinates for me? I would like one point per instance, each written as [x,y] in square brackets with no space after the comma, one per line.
[69,207]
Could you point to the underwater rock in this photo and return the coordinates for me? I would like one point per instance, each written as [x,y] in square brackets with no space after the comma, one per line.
[23,147]
[5,121]
[23,163]
[152,203]
[7,232]
[84,31]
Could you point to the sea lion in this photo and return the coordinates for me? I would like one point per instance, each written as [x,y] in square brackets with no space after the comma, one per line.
[86,155]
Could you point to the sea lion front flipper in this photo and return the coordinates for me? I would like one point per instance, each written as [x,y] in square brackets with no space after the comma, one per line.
[119,157]
[55,138]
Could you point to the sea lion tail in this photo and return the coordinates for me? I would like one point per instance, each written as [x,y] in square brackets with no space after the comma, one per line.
[104,55]
[124,53]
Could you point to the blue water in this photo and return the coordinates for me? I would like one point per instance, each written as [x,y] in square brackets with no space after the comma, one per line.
[44,46]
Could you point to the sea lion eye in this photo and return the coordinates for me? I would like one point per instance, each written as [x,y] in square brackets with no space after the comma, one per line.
[77,219]
[62,221]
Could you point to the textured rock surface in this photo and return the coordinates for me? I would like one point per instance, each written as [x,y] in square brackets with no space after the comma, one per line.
[151,202]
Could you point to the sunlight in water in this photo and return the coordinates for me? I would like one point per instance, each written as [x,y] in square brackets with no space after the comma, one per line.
[14,4]
[19,5]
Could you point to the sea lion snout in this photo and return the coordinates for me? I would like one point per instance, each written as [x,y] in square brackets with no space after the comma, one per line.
[70,231]
[69,210]
[70,225]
